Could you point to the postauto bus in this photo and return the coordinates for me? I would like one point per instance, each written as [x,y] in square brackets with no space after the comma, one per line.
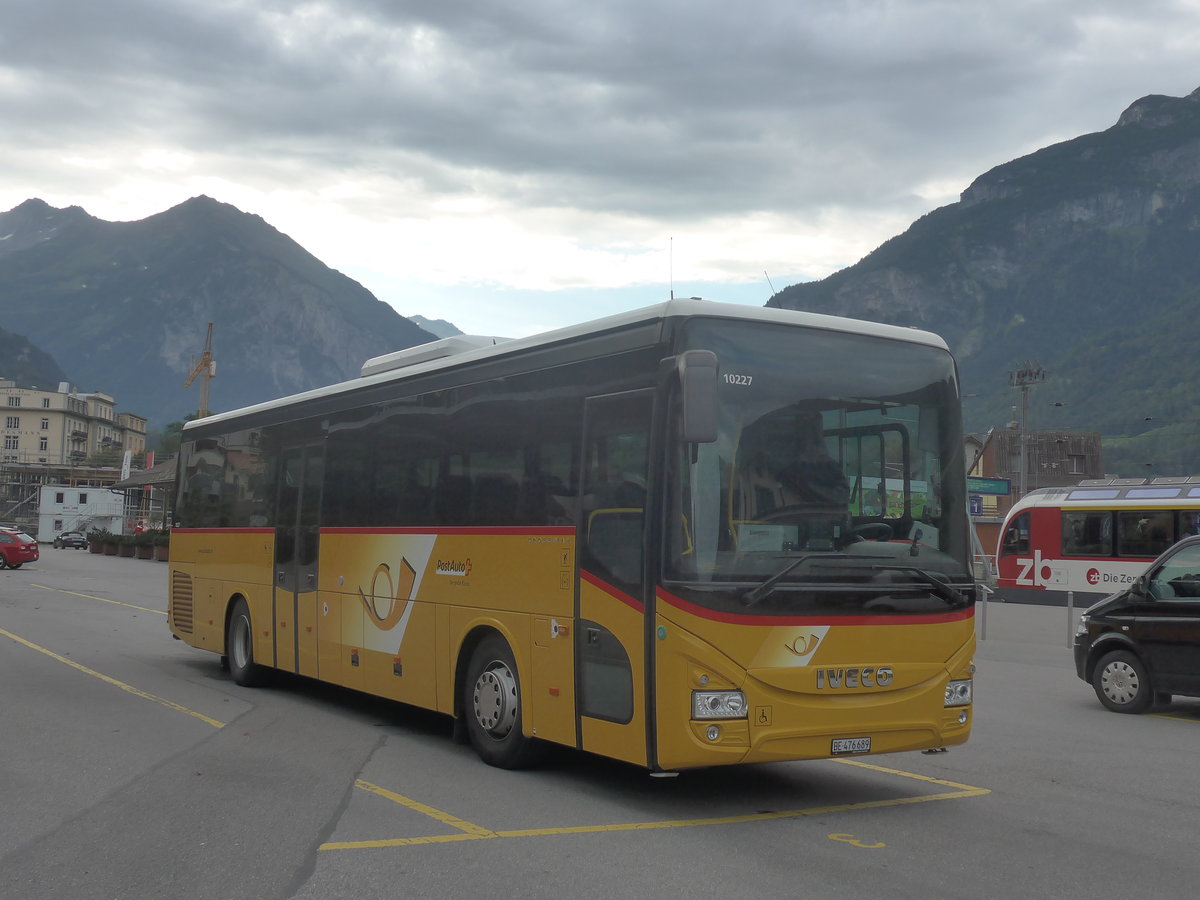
[696,534]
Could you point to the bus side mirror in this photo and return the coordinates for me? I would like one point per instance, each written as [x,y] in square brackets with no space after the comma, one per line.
[698,392]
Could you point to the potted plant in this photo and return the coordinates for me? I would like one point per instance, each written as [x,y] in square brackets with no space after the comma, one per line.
[125,545]
[96,540]
[106,541]
[144,545]
[162,546]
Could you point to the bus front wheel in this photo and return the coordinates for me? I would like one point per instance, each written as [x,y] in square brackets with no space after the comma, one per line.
[491,706]
[239,648]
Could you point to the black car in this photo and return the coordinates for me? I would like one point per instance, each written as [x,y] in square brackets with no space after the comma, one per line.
[1140,646]
[71,539]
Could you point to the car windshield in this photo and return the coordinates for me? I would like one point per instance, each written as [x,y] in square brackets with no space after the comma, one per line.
[836,479]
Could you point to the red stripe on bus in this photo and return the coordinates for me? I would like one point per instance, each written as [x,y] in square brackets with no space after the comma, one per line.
[747,619]
[557,530]
[612,591]
[178,530]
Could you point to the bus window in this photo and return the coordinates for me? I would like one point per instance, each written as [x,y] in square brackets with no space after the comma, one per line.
[1144,532]
[614,487]
[1016,538]
[1087,533]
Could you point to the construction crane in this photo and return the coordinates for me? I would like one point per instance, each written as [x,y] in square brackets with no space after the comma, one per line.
[206,369]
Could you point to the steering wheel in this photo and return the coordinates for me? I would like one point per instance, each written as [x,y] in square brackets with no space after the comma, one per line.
[872,531]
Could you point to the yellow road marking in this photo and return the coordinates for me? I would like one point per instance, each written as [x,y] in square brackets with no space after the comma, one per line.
[94,597]
[1192,719]
[443,817]
[476,832]
[137,692]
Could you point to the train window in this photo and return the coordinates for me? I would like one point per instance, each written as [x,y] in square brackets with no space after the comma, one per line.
[1087,533]
[1145,532]
[1016,538]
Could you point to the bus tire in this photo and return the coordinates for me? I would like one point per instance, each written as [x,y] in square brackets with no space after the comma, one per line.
[239,648]
[491,706]
[1122,683]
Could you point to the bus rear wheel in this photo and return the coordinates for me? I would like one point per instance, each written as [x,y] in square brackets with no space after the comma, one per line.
[239,648]
[1122,683]
[491,706]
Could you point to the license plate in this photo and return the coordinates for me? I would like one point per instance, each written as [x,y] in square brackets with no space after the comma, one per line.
[851,745]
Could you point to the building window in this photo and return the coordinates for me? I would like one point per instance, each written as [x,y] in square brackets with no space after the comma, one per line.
[43,443]
[82,499]
[1077,464]
[45,424]
[58,497]
[12,421]
[45,403]
[10,442]
[14,401]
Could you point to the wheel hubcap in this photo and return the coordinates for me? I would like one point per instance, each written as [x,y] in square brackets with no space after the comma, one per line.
[495,700]
[1120,683]
[240,651]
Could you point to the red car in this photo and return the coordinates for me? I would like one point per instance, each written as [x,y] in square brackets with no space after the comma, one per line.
[16,549]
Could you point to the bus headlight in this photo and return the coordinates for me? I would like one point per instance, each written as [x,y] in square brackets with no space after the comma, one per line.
[718,705]
[958,693]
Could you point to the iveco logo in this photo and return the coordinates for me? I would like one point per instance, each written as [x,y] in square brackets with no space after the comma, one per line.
[858,677]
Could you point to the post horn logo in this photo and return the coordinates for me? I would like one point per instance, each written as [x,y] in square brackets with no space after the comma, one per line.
[803,645]
[386,610]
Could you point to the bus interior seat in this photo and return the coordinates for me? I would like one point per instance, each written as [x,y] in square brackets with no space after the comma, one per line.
[614,539]
[452,502]
[495,500]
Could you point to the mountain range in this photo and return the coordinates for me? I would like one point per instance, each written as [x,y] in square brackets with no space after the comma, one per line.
[1081,261]
[124,306]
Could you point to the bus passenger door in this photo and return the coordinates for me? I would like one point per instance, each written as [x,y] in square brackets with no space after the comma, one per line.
[296,545]
[610,618]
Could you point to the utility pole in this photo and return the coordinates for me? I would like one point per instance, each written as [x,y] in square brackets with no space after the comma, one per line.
[1025,377]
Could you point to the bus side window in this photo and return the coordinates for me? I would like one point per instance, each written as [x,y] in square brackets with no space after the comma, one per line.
[613,498]
[1016,538]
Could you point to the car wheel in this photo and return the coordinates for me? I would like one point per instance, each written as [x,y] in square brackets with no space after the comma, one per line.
[239,648]
[1122,683]
[3,562]
[15,565]
[491,705]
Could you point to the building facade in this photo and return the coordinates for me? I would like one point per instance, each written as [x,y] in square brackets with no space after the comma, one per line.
[64,427]
[78,508]
[1050,459]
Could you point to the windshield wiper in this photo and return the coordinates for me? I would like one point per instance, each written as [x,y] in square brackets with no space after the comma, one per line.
[937,585]
[758,592]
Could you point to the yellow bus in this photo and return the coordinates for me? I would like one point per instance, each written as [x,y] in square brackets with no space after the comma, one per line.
[695,534]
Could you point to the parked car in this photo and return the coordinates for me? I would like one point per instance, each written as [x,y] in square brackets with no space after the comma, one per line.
[71,539]
[1141,645]
[16,548]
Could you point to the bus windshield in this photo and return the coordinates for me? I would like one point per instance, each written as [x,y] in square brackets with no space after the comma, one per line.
[836,480]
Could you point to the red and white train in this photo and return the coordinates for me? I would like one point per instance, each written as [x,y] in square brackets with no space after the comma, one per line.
[1091,539]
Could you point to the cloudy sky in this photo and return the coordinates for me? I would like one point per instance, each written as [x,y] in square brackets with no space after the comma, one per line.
[515,166]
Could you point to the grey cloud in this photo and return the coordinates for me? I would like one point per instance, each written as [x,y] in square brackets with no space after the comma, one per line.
[657,107]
